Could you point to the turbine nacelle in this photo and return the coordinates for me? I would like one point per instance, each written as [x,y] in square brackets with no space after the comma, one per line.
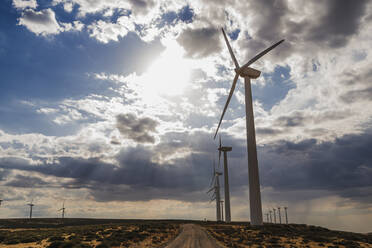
[225,148]
[249,72]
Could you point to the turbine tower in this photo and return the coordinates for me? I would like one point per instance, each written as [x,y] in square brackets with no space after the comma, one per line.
[225,149]
[216,187]
[286,217]
[274,215]
[280,217]
[63,210]
[249,73]
[271,219]
[221,210]
[31,205]
[267,217]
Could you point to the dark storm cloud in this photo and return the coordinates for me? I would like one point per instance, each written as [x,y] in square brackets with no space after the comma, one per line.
[342,167]
[200,42]
[342,20]
[20,181]
[137,129]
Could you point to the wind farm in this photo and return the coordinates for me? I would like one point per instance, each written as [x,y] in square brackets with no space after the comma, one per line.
[185,124]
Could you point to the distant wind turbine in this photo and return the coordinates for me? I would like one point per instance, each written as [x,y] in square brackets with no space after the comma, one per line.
[248,73]
[271,219]
[280,217]
[225,149]
[286,217]
[222,210]
[216,187]
[267,217]
[31,206]
[63,210]
[274,215]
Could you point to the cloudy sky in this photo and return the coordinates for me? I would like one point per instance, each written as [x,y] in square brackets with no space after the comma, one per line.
[112,106]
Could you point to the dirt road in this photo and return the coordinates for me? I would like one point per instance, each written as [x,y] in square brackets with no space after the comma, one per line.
[193,236]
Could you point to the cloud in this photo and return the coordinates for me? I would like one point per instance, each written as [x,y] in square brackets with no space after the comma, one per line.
[24,4]
[107,31]
[40,22]
[342,20]
[137,129]
[200,42]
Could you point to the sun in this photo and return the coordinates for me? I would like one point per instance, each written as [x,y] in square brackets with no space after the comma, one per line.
[169,74]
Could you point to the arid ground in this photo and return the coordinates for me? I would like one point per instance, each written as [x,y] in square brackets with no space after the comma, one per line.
[161,233]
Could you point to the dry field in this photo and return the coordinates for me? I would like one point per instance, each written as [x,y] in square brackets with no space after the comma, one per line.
[52,233]
[99,233]
[287,236]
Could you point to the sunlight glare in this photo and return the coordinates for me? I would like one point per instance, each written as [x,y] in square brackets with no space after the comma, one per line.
[170,73]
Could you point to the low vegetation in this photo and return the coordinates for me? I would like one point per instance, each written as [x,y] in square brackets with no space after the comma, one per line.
[84,233]
[286,236]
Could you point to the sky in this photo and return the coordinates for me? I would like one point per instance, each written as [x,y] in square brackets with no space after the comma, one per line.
[111,106]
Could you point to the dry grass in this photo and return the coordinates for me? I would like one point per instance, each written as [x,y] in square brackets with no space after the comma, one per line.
[87,233]
[286,236]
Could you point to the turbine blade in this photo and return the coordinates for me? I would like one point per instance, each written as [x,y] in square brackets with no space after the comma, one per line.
[227,102]
[258,56]
[219,154]
[230,50]
[210,190]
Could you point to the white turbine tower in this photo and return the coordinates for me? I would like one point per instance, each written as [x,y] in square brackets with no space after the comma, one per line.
[249,73]
[216,187]
[225,149]
[222,210]
[31,206]
[286,216]
[271,219]
[280,217]
[63,210]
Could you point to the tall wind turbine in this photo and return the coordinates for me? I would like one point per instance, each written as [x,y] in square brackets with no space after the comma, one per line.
[280,217]
[249,73]
[225,149]
[274,215]
[63,210]
[31,206]
[216,187]
[286,217]
[222,210]
[271,219]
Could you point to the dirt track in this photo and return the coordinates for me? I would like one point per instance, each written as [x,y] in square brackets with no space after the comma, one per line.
[193,236]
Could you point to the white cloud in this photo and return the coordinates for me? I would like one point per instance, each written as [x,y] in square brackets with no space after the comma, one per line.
[107,31]
[40,22]
[23,4]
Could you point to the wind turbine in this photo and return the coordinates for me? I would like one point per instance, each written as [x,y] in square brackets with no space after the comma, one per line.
[225,149]
[216,187]
[221,210]
[286,217]
[31,205]
[249,73]
[274,215]
[63,210]
[280,217]
[271,219]
[267,217]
